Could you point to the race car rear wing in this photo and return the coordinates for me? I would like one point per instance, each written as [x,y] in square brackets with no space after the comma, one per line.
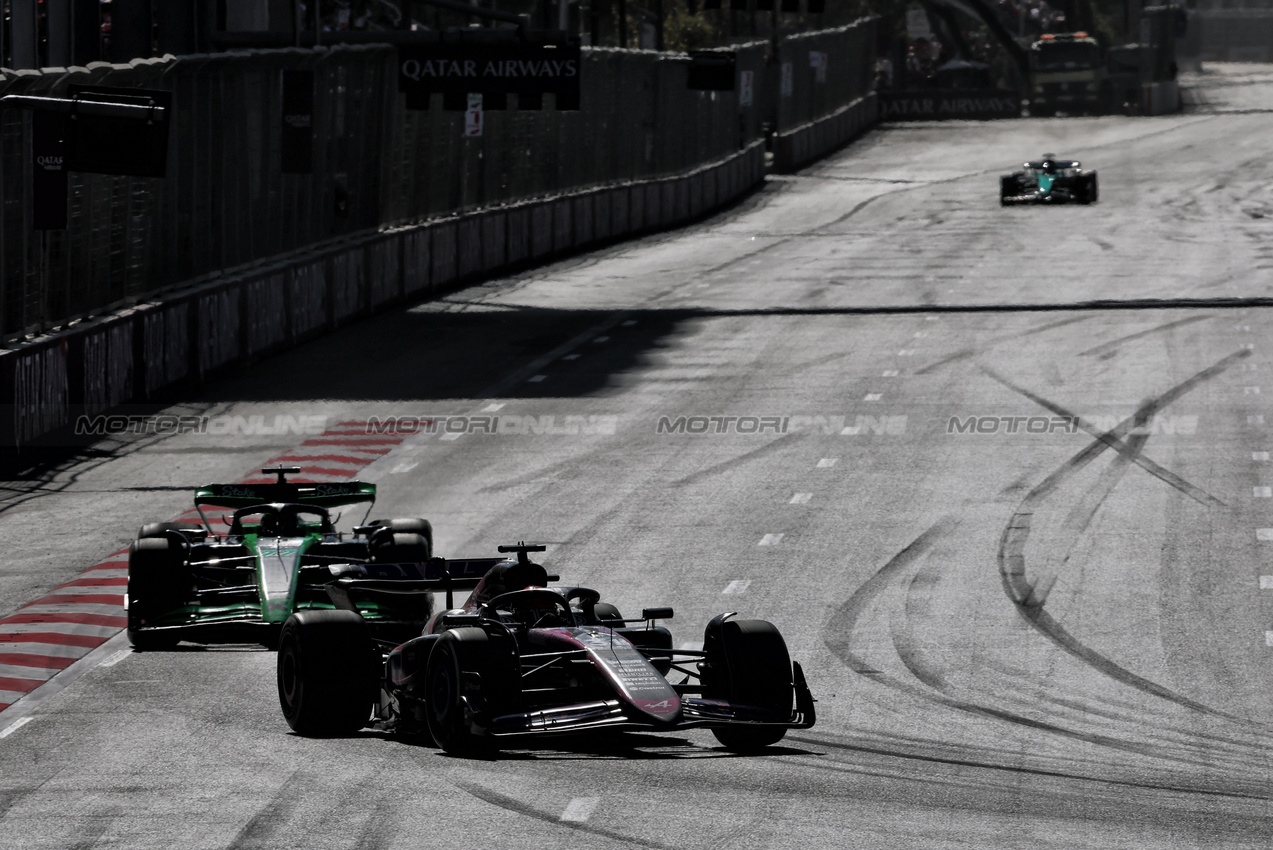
[362,581]
[324,495]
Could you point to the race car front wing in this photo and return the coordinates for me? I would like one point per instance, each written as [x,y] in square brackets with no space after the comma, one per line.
[614,714]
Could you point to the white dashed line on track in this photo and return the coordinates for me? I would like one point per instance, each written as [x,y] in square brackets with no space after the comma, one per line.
[736,587]
[1266,582]
[450,435]
[1262,492]
[580,809]
[15,726]
[1264,534]
[827,462]
[1268,638]
[1256,419]
[404,467]
[1261,456]
[493,407]
[1250,391]
[873,397]
[800,499]
[775,539]
[906,352]
[889,373]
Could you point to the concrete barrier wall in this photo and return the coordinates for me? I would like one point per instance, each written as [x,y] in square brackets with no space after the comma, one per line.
[152,351]
[1160,98]
[815,139]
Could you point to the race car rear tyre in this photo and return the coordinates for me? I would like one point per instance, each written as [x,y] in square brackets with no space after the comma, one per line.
[410,525]
[747,664]
[1007,188]
[327,673]
[402,548]
[159,529]
[158,582]
[457,702]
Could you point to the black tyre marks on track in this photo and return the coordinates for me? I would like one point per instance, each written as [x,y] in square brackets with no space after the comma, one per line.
[1115,437]
[969,353]
[518,807]
[1115,344]
[838,638]
[1029,596]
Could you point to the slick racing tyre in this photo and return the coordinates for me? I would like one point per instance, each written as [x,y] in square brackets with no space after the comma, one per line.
[747,664]
[1090,189]
[400,548]
[328,670]
[1007,189]
[608,615]
[160,529]
[455,701]
[158,582]
[411,525]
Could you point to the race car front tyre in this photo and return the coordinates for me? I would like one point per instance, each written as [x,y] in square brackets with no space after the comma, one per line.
[1090,190]
[457,703]
[158,582]
[747,664]
[608,615]
[327,672]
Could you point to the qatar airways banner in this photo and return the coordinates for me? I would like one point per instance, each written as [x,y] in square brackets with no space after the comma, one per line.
[942,104]
[458,70]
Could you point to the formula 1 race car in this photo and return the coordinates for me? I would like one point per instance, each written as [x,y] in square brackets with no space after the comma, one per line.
[520,659]
[279,554]
[1049,181]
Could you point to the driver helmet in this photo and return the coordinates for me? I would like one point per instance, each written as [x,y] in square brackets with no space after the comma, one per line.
[510,576]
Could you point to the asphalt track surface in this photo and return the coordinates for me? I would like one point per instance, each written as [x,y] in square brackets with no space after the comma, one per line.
[1013,531]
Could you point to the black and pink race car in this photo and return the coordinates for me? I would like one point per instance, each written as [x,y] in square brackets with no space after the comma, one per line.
[522,659]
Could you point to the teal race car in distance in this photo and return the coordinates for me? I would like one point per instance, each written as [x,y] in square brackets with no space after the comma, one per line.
[277,553]
[1049,181]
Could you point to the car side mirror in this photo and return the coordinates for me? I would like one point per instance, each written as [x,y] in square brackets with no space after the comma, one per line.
[656,613]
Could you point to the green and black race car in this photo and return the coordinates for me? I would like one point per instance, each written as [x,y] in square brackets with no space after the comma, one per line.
[1049,181]
[279,553]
